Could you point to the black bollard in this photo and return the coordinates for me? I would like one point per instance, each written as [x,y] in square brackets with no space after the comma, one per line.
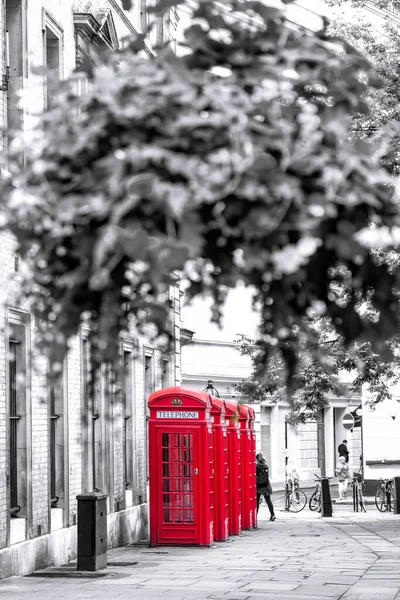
[396,494]
[92,531]
[326,502]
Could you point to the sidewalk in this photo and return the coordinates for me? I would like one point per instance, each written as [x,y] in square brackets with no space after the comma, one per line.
[351,556]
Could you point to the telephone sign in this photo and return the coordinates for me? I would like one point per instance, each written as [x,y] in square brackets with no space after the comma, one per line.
[174,414]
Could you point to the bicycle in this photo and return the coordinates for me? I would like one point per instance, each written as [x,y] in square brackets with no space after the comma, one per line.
[295,498]
[358,496]
[384,496]
[315,498]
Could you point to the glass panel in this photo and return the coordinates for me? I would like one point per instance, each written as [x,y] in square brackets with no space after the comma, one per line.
[178,485]
[189,516]
[178,501]
[177,455]
[179,440]
[178,516]
[178,470]
[166,470]
[188,470]
[165,439]
[188,455]
[188,485]
[166,485]
[167,516]
[165,455]
[188,501]
[167,500]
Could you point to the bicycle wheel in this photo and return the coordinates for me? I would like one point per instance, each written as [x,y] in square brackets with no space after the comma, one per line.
[297,501]
[380,500]
[314,502]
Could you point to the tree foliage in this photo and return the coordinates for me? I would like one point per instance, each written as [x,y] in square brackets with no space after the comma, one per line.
[231,163]
[317,381]
[380,43]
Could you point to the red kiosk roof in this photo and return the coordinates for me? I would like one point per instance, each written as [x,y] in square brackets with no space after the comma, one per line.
[243,411]
[202,397]
[231,408]
[217,405]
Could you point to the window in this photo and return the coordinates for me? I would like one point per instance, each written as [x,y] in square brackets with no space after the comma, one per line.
[57,441]
[16,56]
[92,430]
[148,389]
[127,402]
[97,435]
[105,459]
[148,375]
[52,51]
[165,373]
[19,425]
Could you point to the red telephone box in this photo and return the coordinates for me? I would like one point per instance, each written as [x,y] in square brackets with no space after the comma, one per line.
[181,468]
[252,415]
[221,486]
[247,478]
[235,468]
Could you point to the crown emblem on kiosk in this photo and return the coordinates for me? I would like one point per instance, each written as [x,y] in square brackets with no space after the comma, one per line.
[176,402]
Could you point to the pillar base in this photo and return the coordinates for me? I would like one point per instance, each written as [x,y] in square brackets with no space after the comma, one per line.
[92,563]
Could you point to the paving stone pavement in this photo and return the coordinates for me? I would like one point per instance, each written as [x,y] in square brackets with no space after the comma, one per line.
[351,556]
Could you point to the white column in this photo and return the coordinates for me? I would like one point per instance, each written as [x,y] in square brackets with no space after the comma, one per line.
[276,455]
[329,442]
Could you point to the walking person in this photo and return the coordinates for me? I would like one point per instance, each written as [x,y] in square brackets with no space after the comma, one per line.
[343,450]
[264,487]
[343,475]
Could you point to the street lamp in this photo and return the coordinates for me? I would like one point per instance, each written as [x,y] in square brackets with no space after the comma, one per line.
[210,389]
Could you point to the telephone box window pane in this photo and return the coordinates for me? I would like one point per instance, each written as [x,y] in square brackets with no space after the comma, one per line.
[167,516]
[187,440]
[188,470]
[166,485]
[189,516]
[165,439]
[178,516]
[165,455]
[188,485]
[167,500]
[178,501]
[177,455]
[189,501]
[178,485]
[178,470]
[166,470]
[188,456]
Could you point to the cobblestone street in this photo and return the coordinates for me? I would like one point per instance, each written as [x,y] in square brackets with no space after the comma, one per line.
[299,556]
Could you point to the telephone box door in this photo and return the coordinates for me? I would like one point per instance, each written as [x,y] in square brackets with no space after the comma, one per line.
[178,481]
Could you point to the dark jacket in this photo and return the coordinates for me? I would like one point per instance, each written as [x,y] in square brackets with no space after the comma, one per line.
[343,451]
[263,483]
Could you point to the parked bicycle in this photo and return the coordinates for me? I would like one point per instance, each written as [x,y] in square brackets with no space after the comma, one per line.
[384,496]
[315,498]
[358,494]
[295,498]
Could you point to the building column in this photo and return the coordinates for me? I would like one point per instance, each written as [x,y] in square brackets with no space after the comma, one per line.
[276,454]
[329,442]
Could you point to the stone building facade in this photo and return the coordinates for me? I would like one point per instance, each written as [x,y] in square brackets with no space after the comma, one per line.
[57,442]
